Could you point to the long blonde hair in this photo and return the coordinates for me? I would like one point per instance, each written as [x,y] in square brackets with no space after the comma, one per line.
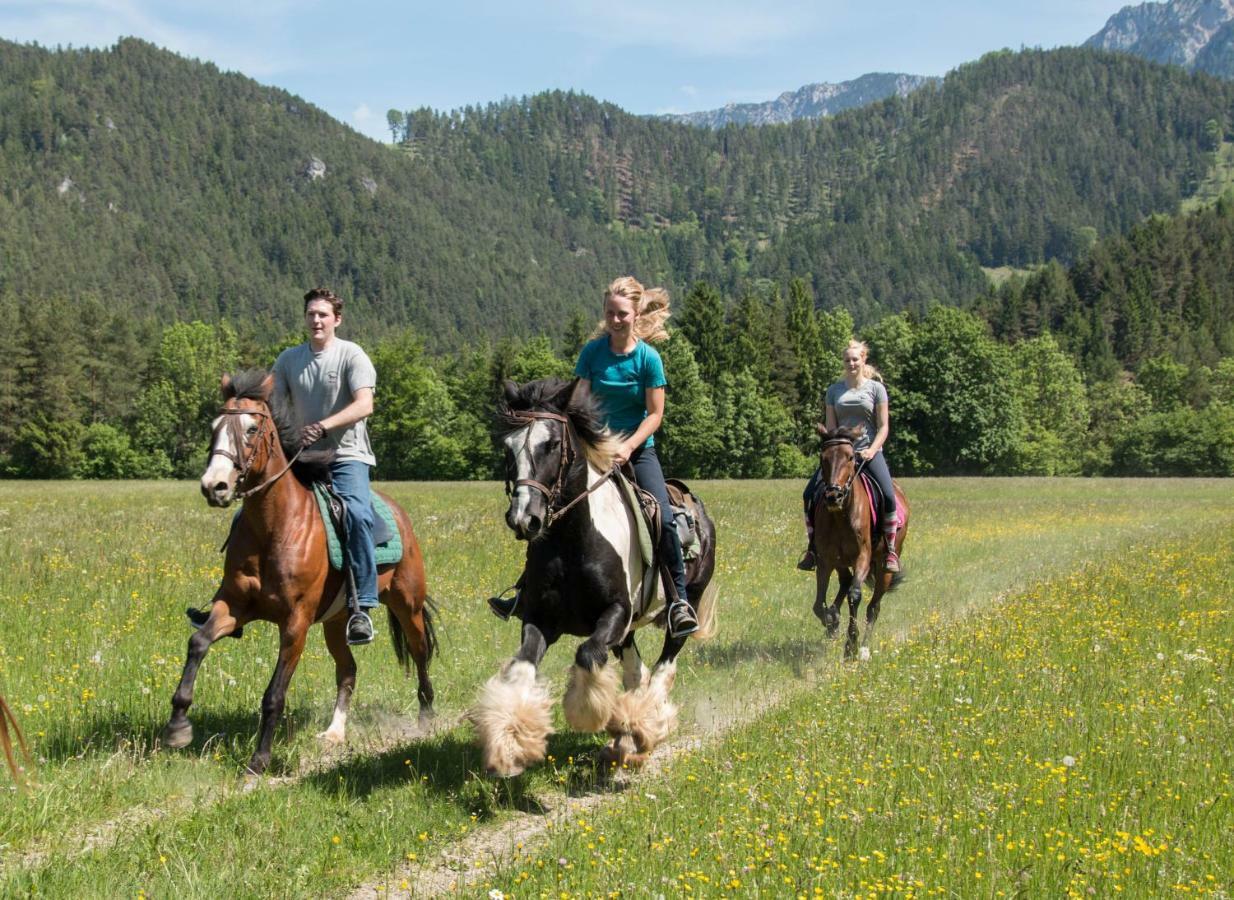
[651,309]
[867,370]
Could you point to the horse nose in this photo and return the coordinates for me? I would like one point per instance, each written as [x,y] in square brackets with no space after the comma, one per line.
[215,493]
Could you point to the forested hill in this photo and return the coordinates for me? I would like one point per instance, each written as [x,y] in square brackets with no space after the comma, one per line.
[1017,159]
[181,192]
[161,185]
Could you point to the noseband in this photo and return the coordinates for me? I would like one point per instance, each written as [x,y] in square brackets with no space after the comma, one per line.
[249,452]
[552,495]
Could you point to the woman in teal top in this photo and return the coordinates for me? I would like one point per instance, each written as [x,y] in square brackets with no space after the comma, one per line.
[626,375]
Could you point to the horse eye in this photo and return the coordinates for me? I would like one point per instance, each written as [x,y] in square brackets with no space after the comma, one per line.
[252,429]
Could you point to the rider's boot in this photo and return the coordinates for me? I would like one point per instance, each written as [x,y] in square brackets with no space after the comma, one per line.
[502,606]
[199,617]
[681,619]
[892,563]
[359,628]
[808,563]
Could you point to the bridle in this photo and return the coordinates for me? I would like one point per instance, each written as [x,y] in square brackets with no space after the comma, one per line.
[249,452]
[552,495]
[848,487]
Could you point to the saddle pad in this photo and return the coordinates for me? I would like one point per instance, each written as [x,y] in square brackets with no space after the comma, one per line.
[644,533]
[387,553]
[876,506]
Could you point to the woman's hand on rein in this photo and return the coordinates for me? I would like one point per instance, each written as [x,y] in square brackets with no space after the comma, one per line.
[868,453]
[623,454]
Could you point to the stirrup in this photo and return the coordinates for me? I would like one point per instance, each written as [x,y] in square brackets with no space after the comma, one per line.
[807,563]
[681,620]
[502,606]
[359,628]
[199,617]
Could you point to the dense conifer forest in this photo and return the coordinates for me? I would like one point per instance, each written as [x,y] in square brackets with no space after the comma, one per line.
[159,221]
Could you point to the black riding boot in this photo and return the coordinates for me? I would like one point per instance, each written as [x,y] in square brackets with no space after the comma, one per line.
[502,606]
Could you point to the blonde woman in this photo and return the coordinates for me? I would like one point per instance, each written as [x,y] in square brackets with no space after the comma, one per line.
[626,375]
[860,399]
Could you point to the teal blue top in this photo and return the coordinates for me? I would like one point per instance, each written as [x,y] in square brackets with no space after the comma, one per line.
[620,382]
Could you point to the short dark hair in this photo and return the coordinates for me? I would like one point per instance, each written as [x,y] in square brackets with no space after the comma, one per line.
[318,293]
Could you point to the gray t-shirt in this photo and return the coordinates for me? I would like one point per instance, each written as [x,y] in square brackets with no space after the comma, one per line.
[855,406]
[320,384]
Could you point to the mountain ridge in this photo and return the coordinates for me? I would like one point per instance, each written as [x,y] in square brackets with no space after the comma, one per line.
[810,101]
[1195,34]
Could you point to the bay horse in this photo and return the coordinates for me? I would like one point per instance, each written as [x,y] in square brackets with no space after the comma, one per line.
[277,568]
[584,576]
[845,536]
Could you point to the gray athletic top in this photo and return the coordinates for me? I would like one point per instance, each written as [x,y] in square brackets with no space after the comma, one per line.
[855,406]
[320,384]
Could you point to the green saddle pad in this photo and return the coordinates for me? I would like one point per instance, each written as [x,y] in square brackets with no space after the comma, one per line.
[386,554]
[644,533]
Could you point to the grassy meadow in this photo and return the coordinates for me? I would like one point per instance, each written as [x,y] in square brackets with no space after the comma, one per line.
[1005,577]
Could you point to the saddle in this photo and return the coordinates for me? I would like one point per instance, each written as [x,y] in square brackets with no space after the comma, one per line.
[387,542]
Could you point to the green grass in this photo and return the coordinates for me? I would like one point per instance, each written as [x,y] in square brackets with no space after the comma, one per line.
[93,580]
[1076,739]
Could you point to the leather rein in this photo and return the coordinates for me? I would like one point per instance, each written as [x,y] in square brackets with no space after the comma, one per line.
[250,452]
[552,495]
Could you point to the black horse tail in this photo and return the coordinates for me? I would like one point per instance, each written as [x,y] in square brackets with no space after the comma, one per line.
[399,638]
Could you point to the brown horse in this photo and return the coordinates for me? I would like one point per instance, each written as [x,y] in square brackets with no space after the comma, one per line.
[844,539]
[278,570]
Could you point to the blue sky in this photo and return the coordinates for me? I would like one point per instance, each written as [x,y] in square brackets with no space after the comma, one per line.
[358,59]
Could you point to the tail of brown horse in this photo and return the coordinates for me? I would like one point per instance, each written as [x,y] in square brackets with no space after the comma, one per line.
[399,638]
[9,721]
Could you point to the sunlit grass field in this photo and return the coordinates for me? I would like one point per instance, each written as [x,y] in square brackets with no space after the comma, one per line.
[94,579]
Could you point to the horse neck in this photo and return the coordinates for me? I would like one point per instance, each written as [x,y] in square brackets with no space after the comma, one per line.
[276,507]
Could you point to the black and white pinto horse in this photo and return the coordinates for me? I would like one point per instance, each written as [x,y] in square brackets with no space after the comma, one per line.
[584,576]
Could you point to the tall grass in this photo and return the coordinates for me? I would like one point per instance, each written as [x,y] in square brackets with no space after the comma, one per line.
[94,578]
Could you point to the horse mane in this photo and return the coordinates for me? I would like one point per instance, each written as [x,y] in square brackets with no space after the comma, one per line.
[840,434]
[564,397]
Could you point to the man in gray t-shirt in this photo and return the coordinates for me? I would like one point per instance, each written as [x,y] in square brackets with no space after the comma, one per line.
[328,383]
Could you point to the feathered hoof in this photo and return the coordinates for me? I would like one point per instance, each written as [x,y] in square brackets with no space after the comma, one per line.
[513,720]
[646,715]
[590,697]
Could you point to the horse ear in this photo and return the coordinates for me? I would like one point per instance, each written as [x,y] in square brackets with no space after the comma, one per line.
[225,386]
[858,431]
[511,390]
[821,428]
[580,392]
[267,386]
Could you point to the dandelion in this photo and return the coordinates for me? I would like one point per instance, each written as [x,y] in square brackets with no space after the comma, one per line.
[1068,761]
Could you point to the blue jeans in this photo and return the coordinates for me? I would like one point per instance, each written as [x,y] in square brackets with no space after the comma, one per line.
[650,478]
[350,477]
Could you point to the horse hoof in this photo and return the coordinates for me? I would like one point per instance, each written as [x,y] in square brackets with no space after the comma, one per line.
[613,755]
[331,736]
[257,765]
[179,736]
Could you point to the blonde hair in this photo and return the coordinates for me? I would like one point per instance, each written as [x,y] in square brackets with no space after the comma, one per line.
[650,309]
[867,370]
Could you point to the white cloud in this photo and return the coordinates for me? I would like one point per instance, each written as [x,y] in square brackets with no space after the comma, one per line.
[362,115]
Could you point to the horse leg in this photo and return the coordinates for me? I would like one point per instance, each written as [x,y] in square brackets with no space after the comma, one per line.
[831,615]
[416,626]
[643,718]
[860,570]
[634,673]
[292,635]
[178,733]
[513,717]
[822,579]
[592,688]
[344,678]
